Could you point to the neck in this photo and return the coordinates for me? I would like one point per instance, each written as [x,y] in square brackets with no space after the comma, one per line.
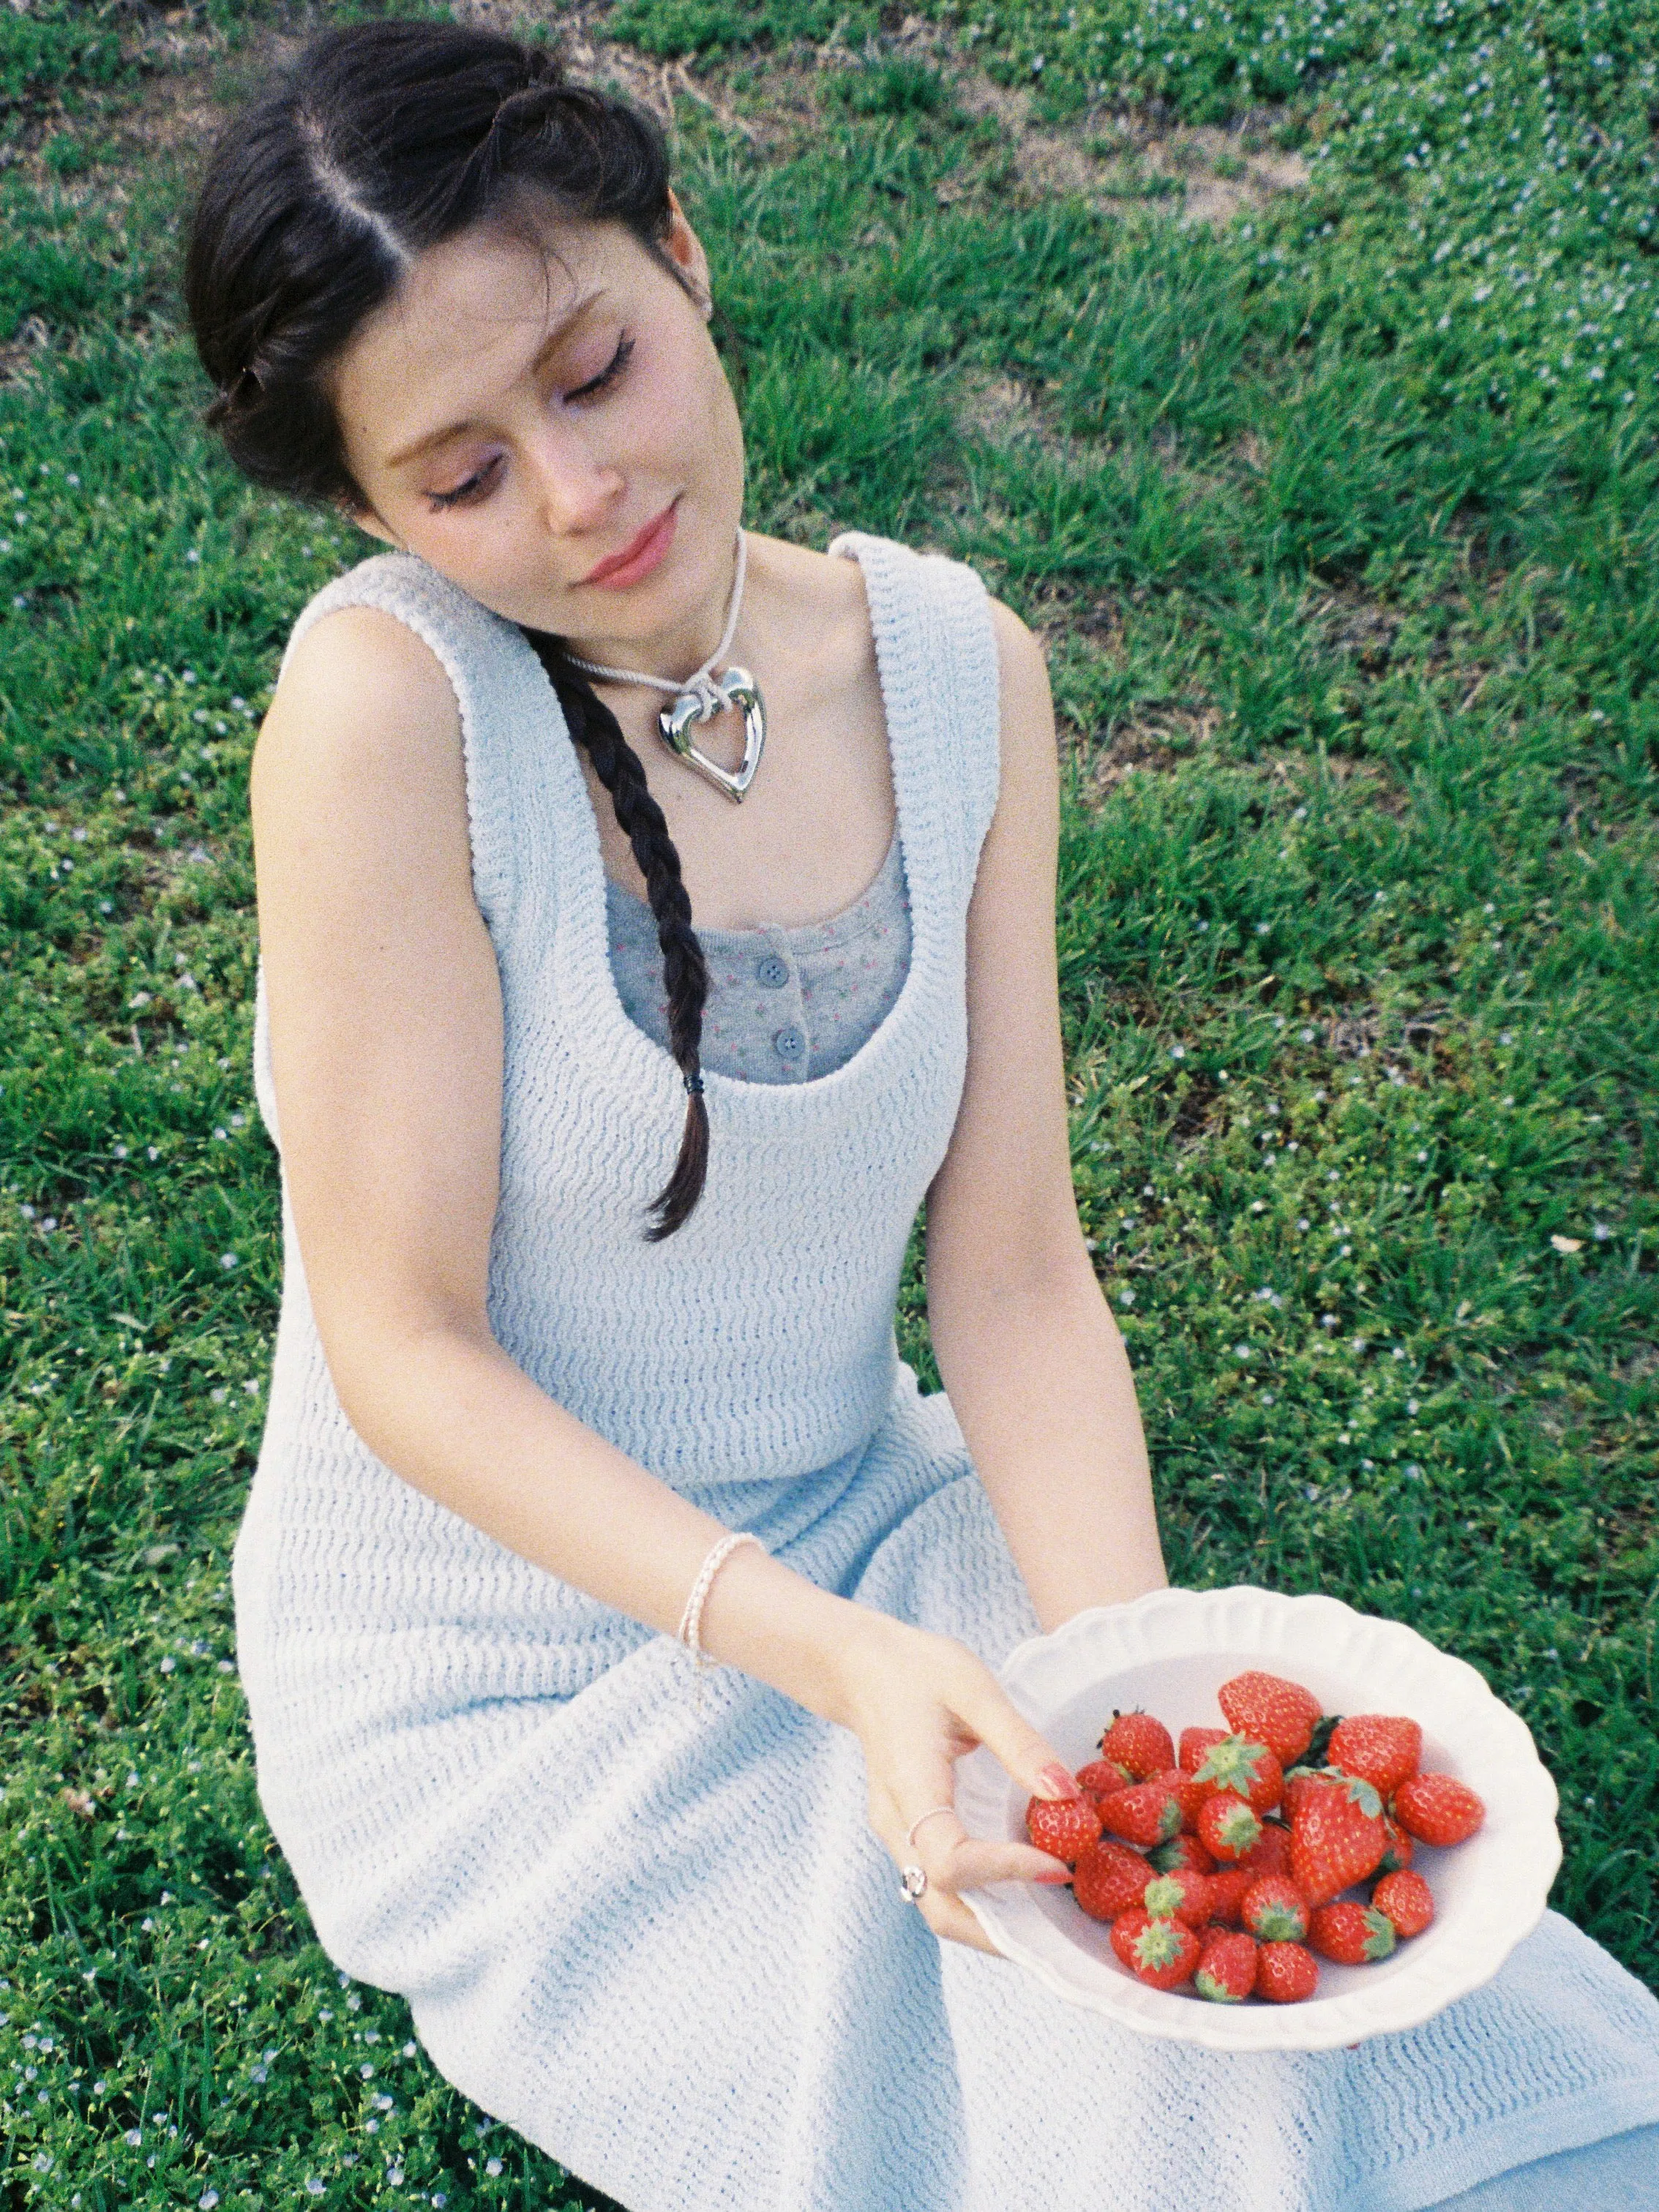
[674,655]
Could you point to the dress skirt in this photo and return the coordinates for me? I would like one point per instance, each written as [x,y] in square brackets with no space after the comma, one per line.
[643,1920]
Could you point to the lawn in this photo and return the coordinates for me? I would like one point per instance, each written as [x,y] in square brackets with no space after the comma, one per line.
[1295,371]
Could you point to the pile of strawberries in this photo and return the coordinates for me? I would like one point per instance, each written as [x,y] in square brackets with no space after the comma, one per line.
[1226,1867]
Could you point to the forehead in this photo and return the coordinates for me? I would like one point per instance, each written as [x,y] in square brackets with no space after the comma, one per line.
[466,317]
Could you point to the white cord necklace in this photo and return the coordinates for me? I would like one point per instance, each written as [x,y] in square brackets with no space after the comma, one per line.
[702,697]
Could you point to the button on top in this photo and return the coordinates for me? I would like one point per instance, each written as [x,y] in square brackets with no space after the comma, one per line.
[772,971]
[789,1043]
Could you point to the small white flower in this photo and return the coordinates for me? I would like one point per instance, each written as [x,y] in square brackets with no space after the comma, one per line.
[1177,1052]
[1126,1297]
[229,1260]
[133,2136]
[152,1152]
[192,555]
[492,2166]
[168,1664]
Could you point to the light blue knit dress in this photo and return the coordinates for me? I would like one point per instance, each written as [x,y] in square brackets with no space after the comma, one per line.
[657,1936]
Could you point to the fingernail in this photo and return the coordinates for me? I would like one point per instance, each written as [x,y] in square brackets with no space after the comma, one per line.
[1057,1780]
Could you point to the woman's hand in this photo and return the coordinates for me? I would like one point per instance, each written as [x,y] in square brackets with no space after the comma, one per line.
[916,1703]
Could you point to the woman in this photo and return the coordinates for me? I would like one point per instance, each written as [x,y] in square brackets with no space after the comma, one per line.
[595,1219]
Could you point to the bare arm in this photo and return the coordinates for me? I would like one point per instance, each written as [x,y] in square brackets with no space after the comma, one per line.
[386,1054]
[1026,1344]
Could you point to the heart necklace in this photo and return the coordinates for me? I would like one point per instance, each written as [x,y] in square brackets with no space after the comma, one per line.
[702,697]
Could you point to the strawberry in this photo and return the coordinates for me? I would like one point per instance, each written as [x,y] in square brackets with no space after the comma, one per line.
[1269,1709]
[1226,1968]
[1101,1777]
[1352,1934]
[1229,1886]
[1182,1853]
[1437,1809]
[1140,1743]
[1110,1879]
[1377,1747]
[1148,1813]
[1407,1899]
[1226,1825]
[1183,1896]
[1272,1854]
[1062,1825]
[1161,1952]
[1336,1837]
[1397,1851]
[1274,1910]
[1249,1769]
[1195,1743]
[1297,1781]
[1285,1973]
[1188,1793]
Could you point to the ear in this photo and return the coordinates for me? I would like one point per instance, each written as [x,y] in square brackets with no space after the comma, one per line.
[685,249]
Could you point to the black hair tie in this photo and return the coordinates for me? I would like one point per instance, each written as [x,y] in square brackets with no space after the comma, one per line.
[694,1084]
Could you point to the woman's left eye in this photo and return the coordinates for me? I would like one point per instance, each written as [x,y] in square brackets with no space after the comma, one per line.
[608,376]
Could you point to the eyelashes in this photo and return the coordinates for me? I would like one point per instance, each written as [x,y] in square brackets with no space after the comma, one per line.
[478,482]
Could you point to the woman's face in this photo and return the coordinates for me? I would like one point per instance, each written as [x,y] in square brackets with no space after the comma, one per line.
[521,420]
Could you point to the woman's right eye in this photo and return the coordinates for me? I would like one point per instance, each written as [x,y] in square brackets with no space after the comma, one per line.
[464,493]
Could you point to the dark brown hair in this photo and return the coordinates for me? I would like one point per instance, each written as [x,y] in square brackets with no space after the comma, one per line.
[379,140]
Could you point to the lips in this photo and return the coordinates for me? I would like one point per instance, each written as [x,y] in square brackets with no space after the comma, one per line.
[640,555]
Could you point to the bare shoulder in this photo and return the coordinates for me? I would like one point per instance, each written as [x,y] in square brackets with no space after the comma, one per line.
[359,685]
[1027,711]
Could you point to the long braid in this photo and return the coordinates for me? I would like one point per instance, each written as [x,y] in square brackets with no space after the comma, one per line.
[685,972]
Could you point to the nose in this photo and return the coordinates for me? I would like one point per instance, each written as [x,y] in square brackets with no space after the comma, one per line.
[576,487]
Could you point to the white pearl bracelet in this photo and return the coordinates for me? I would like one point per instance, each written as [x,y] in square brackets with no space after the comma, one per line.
[689,1630]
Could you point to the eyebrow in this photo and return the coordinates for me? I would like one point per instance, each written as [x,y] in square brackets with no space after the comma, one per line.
[555,338]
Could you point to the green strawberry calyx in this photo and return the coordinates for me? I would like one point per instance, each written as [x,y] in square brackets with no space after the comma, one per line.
[1207,1985]
[1159,1944]
[1379,1933]
[1235,1763]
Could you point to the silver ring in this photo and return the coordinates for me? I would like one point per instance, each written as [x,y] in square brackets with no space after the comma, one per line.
[913,1881]
[910,1834]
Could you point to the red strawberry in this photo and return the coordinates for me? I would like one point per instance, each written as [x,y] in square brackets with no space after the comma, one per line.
[1336,1837]
[1352,1934]
[1140,1743]
[1062,1825]
[1110,1879]
[1195,1743]
[1183,1896]
[1285,1973]
[1377,1748]
[1101,1777]
[1274,1910]
[1437,1809]
[1189,1794]
[1297,1782]
[1269,1709]
[1272,1854]
[1397,1851]
[1249,1769]
[1148,1813]
[1229,1886]
[1226,1968]
[1226,1825]
[1407,1899]
[1159,1951]
[1182,1853]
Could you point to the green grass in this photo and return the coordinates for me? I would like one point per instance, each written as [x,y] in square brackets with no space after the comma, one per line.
[1353,631]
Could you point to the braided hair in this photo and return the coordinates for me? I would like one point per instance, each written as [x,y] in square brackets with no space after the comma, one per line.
[379,141]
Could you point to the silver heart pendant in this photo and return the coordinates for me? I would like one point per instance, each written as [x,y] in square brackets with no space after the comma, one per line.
[717,696]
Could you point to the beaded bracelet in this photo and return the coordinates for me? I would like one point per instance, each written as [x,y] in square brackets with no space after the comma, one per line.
[689,1630]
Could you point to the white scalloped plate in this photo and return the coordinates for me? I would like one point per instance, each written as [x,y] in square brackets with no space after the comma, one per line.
[1170,1651]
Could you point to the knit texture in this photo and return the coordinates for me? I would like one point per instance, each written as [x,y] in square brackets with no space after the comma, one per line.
[655,1936]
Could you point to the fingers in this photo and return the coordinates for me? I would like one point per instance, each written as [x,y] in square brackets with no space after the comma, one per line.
[1028,1757]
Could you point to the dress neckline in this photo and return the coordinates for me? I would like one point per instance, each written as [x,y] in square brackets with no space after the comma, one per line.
[802,937]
